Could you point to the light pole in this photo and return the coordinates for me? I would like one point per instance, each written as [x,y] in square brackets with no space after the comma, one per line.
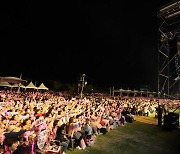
[82,84]
[19,84]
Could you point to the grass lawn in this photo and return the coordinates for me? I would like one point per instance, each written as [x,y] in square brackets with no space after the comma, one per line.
[140,137]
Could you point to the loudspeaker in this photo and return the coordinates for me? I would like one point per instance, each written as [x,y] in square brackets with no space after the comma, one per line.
[171,121]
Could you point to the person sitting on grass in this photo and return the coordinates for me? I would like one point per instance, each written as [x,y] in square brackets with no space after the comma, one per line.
[74,132]
[10,145]
[87,128]
[62,137]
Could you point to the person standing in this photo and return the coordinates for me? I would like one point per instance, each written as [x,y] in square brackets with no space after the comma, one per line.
[160,113]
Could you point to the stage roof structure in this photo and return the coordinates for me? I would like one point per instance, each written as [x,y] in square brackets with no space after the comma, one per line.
[170,10]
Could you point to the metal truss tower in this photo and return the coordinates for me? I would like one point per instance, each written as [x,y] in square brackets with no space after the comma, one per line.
[168,54]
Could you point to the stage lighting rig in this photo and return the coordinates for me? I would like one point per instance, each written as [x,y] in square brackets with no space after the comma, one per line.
[168,49]
[170,10]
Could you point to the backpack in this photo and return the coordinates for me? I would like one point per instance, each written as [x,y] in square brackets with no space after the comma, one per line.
[77,135]
[103,130]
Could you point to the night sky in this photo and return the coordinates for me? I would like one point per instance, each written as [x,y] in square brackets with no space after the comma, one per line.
[113,42]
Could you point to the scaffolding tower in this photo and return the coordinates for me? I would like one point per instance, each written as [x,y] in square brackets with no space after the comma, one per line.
[169,51]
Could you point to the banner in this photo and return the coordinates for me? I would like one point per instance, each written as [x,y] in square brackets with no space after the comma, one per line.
[42,137]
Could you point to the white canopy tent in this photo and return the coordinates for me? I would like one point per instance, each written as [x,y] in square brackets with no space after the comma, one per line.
[42,86]
[4,84]
[11,79]
[31,86]
[16,85]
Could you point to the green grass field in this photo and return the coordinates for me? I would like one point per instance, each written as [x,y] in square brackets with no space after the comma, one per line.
[135,138]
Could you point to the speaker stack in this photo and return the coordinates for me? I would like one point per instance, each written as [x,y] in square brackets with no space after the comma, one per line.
[171,121]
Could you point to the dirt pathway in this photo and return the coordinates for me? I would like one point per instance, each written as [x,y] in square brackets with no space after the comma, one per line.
[148,120]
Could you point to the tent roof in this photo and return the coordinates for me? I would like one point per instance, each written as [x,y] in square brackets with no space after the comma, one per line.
[31,85]
[17,85]
[5,84]
[11,79]
[42,86]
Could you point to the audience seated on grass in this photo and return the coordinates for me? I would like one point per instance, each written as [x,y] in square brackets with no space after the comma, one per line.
[50,121]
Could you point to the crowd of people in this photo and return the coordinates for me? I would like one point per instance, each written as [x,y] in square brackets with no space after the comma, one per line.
[51,122]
